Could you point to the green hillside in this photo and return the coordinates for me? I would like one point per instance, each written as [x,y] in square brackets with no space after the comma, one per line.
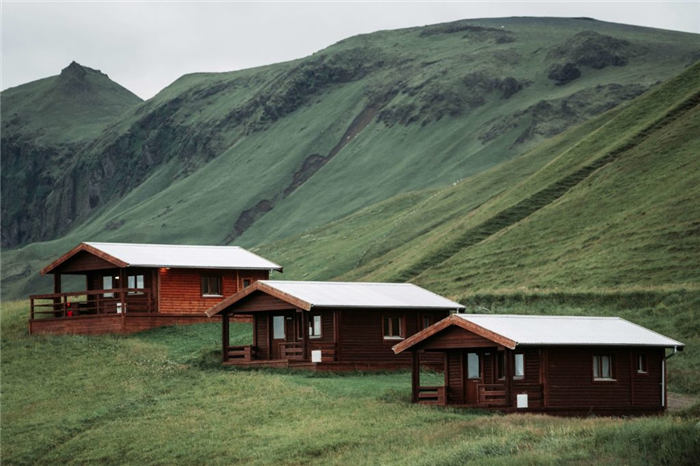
[613,203]
[44,125]
[258,155]
[162,397]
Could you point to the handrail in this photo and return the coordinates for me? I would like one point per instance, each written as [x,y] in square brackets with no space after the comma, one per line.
[118,301]
[91,292]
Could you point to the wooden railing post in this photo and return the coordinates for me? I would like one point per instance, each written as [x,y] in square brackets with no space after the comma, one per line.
[31,308]
[415,375]
[225,343]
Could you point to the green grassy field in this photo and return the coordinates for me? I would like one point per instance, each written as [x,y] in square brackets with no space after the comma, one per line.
[161,397]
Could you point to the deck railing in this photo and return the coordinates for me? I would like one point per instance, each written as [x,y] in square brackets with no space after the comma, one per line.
[431,395]
[244,353]
[92,302]
[292,350]
[495,394]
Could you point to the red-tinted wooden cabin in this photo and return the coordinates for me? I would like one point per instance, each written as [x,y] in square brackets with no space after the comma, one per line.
[329,325]
[551,364]
[133,287]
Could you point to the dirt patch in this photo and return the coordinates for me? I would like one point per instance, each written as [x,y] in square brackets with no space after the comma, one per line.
[680,401]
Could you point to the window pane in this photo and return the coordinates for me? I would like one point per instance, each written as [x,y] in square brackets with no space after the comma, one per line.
[317,326]
[606,367]
[107,285]
[596,367]
[131,280]
[278,327]
[473,369]
[139,282]
[395,326]
[519,365]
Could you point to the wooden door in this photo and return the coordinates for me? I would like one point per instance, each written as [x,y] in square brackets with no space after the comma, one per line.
[279,332]
[473,370]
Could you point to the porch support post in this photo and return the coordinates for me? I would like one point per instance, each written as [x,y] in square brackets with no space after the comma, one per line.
[225,342]
[507,373]
[415,375]
[305,333]
[57,306]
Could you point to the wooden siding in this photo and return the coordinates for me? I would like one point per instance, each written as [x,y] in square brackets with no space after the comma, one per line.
[646,388]
[262,335]
[83,261]
[101,324]
[454,377]
[180,289]
[362,340]
[259,301]
[455,337]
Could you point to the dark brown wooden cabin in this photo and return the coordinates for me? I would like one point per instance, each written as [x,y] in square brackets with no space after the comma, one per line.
[329,325]
[134,287]
[551,364]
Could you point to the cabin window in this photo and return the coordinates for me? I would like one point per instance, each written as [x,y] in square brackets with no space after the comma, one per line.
[427,321]
[473,366]
[602,367]
[135,282]
[393,327]
[246,282]
[519,372]
[278,327]
[315,327]
[211,285]
[108,284]
[501,365]
[641,364]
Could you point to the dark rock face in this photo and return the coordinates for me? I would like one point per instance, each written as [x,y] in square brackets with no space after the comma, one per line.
[596,51]
[564,74]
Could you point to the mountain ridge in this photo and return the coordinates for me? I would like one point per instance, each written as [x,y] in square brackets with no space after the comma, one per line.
[248,153]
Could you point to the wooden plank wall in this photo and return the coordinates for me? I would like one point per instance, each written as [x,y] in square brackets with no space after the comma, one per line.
[454,377]
[362,340]
[81,262]
[83,325]
[180,289]
[570,378]
[647,387]
[261,334]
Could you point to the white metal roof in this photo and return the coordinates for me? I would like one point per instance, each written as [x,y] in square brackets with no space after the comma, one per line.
[363,295]
[569,330]
[185,256]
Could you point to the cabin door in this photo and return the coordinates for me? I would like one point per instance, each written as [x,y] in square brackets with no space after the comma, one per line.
[282,332]
[473,370]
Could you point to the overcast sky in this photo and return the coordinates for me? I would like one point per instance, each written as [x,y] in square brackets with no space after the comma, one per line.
[146,46]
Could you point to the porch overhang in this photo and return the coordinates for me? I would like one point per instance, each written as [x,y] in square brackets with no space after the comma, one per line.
[87,248]
[262,287]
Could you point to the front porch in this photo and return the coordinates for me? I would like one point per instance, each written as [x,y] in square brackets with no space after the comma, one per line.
[480,377]
[91,302]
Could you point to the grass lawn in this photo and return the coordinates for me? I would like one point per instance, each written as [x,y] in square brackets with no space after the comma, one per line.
[161,397]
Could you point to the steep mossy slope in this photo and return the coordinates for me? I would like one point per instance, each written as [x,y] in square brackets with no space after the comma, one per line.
[258,155]
[45,124]
[610,204]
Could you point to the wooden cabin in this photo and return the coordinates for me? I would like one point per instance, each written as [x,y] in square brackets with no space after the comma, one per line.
[550,364]
[329,325]
[133,287]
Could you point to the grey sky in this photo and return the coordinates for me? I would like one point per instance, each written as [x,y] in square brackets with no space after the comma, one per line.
[146,46]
